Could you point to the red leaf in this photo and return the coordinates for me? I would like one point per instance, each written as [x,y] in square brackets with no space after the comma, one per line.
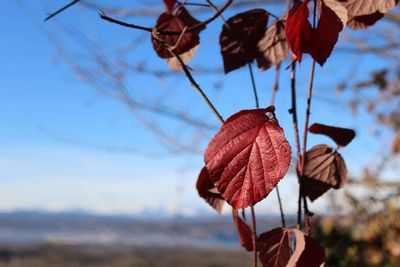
[170,5]
[273,46]
[365,21]
[177,22]
[307,252]
[240,36]
[324,169]
[367,7]
[298,29]
[341,136]
[248,157]
[244,231]
[313,254]
[274,247]
[333,19]
[207,190]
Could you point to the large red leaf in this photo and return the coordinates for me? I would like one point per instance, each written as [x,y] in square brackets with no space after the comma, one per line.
[208,192]
[332,20]
[244,231]
[248,157]
[273,46]
[341,136]
[177,22]
[324,169]
[274,247]
[240,36]
[298,29]
[169,4]
[307,252]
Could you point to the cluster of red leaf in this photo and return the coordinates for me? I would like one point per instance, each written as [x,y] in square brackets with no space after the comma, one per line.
[246,36]
[319,40]
[249,155]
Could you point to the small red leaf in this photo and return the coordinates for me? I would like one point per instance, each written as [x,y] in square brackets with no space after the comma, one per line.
[298,29]
[333,19]
[307,252]
[207,190]
[248,156]
[274,247]
[240,36]
[273,46]
[313,254]
[177,22]
[324,169]
[244,231]
[341,136]
[365,21]
[170,5]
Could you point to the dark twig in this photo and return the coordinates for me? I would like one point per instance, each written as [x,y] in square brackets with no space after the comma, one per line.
[61,10]
[293,111]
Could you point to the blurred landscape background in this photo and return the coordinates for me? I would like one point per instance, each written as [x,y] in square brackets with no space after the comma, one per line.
[101,143]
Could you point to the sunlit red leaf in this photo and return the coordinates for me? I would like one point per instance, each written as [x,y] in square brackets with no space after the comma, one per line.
[248,156]
[324,169]
[240,36]
[274,247]
[365,21]
[208,192]
[273,46]
[176,23]
[169,5]
[341,136]
[332,20]
[307,252]
[244,231]
[298,29]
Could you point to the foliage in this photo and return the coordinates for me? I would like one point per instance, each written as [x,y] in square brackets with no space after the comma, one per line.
[249,155]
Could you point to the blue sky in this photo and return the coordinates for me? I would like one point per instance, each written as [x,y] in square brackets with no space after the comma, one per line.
[50,119]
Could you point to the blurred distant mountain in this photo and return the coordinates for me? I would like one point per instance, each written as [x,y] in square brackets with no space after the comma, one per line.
[79,227]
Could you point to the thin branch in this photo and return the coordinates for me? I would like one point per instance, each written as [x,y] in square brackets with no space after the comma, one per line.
[305,130]
[254,236]
[190,29]
[61,10]
[253,83]
[275,87]
[293,111]
[196,86]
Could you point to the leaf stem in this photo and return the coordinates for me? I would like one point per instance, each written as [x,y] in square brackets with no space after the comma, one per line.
[253,83]
[254,232]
